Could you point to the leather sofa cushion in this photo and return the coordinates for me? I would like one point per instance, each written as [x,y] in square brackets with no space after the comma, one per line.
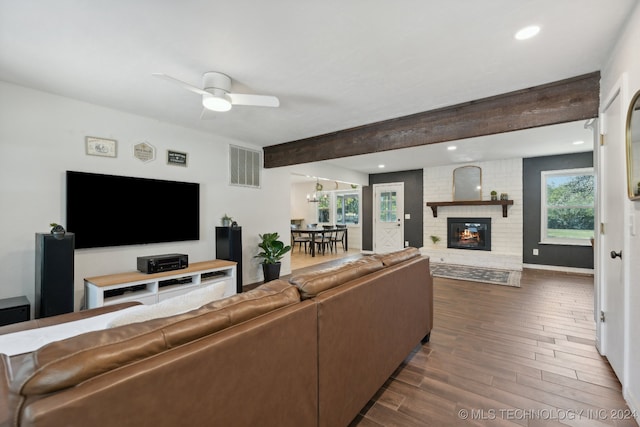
[397,257]
[65,363]
[311,284]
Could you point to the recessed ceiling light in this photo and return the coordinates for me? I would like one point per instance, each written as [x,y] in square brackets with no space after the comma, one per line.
[578,142]
[452,147]
[527,32]
[381,166]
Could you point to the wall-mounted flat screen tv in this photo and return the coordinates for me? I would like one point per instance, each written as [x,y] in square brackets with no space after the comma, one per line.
[110,210]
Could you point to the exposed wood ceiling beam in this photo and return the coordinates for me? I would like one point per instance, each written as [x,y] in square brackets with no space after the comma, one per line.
[563,101]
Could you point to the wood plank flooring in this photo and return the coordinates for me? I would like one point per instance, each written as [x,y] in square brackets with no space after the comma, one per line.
[503,356]
[300,259]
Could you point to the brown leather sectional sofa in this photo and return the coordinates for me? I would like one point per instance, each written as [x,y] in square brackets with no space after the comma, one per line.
[307,353]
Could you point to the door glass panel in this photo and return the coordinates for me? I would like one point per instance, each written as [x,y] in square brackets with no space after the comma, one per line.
[388,207]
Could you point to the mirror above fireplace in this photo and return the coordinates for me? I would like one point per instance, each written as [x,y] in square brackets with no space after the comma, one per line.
[467,183]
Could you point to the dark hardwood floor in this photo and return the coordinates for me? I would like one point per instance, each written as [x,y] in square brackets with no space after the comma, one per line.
[502,356]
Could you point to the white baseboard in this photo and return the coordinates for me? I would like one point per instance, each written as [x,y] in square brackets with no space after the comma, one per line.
[632,401]
[588,271]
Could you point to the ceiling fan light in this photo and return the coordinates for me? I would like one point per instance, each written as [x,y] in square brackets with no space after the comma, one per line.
[216,103]
[527,32]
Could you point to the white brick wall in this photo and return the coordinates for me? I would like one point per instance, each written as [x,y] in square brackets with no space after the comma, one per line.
[503,176]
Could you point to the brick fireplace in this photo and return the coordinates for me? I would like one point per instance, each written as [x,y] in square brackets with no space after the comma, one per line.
[506,232]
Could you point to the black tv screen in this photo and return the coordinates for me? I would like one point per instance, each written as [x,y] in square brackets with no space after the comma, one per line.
[110,210]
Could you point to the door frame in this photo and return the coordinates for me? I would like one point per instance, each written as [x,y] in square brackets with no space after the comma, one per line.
[619,94]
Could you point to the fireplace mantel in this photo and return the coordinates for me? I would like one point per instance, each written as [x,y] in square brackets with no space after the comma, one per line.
[504,203]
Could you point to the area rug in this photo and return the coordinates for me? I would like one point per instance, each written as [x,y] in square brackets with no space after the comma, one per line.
[477,274]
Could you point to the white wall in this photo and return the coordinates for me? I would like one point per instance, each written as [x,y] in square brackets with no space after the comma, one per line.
[300,208]
[503,176]
[42,136]
[625,58]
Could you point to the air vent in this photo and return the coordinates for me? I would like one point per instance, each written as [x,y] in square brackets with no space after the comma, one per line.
[244,167]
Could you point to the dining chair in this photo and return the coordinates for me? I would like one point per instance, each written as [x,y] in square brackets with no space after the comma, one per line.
[323,241]
[339,236]
[299,237]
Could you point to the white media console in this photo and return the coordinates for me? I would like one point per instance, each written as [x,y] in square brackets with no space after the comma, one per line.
[153,288]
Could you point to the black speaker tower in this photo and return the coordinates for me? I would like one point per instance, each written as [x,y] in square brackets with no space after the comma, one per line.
[54,274]
[229,247]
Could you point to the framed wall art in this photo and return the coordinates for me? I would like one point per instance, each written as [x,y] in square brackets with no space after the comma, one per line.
[144,152]
[176,158]
[101,146]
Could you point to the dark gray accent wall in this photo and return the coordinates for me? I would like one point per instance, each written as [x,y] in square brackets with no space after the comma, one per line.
[413,205]
[558,255]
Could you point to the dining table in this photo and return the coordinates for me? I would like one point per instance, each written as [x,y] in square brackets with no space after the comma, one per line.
[314,232]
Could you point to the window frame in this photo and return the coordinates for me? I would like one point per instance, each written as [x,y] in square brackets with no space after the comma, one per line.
[333,206]
[324,195]
[544,208]
[343,194]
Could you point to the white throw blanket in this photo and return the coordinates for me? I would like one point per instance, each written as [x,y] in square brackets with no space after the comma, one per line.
[32,339]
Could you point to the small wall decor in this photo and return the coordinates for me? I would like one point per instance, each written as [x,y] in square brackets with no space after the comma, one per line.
[176,158]
[144,152]
[101,146]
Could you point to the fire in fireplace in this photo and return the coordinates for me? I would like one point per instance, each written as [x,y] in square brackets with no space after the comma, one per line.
[469,233]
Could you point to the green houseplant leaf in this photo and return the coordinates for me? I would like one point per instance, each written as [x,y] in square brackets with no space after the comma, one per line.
[273,250]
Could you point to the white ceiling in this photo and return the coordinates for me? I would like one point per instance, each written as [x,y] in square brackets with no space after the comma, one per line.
[334,64]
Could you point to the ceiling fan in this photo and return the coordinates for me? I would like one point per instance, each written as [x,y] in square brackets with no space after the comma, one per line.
[216,92]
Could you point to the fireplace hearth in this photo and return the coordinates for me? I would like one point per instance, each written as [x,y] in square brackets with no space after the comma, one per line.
[469,233]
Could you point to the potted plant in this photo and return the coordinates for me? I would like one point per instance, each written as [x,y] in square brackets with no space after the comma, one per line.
[226,220]
[434,239]
[494,195]
[273,250]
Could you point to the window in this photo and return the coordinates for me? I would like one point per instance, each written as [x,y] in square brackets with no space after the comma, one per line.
[324,208]
[339,207]
[568,201]
[347,208]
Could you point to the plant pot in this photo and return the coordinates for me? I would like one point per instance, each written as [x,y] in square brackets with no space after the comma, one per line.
[58,235]
[226,222]
[494,197]
[271,271]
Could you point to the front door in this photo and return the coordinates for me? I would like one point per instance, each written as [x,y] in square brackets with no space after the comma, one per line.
[612,203]
[388,217]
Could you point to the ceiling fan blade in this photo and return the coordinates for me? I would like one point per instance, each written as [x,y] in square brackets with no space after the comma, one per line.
[185,85]
[254,100]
